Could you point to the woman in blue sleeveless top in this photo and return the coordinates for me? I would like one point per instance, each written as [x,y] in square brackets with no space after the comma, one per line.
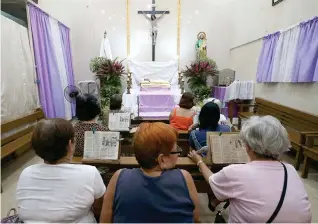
[155,192]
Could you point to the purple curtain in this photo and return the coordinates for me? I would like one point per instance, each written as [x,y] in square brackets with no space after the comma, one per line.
[67,53]
[266,58]
[50,87]
[306,66]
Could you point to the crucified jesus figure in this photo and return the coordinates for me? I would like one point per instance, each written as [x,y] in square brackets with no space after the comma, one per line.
[154,25]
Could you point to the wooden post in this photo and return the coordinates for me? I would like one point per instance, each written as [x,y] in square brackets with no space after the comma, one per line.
[306,167]
[299,157]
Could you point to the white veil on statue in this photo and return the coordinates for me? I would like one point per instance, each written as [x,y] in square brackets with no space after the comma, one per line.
[105,50]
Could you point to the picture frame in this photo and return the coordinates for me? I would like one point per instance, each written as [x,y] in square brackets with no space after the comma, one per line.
[276,2]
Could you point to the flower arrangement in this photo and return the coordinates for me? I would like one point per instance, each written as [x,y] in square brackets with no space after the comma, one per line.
[197,74]
[109,73]
[106,67]
[199,70]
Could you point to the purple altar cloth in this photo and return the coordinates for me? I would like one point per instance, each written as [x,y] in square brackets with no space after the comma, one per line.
[218,92]
[156,102]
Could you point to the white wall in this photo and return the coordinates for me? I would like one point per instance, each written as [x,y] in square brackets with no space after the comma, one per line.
[257,18]
[88,19]
[211,17]
[141,44]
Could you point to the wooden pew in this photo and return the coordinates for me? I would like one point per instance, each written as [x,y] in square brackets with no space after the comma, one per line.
[310,150]
[297,123]
[21,140]
[131,162]
[183,142]
[127,150]
[140,120]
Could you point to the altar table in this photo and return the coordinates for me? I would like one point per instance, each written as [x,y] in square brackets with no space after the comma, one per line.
[158,104]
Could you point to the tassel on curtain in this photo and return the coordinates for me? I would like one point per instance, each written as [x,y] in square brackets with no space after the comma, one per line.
[290,55]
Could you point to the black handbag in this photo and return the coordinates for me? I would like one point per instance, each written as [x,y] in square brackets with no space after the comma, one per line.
[220,219]
[12,218]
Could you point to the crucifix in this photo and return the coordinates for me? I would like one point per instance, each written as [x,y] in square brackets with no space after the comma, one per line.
[154,26]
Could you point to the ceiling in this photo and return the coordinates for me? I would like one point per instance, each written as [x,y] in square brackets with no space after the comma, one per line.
[16,8]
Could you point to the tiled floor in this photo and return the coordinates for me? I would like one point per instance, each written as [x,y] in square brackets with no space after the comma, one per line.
[10,175]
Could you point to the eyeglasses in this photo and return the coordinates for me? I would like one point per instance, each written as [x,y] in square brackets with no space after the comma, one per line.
[179,150]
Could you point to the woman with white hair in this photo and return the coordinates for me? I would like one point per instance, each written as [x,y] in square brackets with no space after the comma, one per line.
[255,189]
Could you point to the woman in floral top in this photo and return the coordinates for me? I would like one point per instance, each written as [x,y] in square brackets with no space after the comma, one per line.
[87,110]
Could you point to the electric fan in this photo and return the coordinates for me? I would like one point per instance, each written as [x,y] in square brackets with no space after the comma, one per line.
[70,93]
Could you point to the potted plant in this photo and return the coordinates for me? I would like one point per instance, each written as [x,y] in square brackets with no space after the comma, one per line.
[109,73]
[197,74]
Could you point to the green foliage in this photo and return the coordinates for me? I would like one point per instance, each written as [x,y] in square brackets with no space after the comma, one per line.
[109,73]
[212,63]
[110,81]
[201,92]
[196,82]
[197,74]
[106,92]
[96,63]
[106,68]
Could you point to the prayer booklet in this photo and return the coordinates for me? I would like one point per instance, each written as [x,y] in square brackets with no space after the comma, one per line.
[226,148]
[103,145]
[119,121]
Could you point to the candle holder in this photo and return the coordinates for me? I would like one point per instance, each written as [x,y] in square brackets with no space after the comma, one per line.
[180,78]
[128,82]
[182,85]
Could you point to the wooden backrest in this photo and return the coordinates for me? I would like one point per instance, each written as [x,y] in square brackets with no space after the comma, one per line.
[18,123]
[289,117]
[293,120]
[183,136]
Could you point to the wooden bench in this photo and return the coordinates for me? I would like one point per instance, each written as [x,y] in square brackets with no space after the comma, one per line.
[131,162]
[127,149]
[21,140]
[297,123]
[183,142]
[140,120]
[310,150]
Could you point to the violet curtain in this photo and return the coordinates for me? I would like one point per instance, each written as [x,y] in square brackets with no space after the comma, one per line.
[50,88]
[266,59]
[306,65]
[67,53]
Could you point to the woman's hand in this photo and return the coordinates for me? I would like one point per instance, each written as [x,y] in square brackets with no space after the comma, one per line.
[206,172]
[194,156]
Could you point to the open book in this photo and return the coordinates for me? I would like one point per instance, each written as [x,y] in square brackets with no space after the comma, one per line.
[101,145]
[226,148]
[119,121]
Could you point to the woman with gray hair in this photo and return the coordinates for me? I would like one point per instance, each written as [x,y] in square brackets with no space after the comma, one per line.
[254,189]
